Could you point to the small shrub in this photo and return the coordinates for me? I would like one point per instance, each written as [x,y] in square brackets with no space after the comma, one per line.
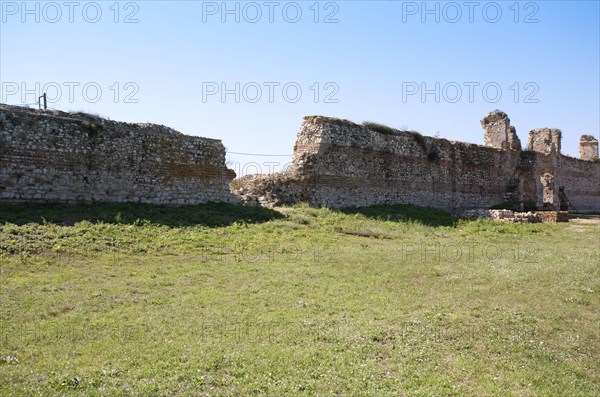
[433,156]
[420,139]
[92,129]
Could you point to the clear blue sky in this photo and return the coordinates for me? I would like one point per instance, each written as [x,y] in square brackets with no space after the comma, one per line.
[370,61]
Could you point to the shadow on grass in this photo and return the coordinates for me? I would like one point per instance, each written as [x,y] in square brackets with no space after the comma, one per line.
[210,214]
[403,213]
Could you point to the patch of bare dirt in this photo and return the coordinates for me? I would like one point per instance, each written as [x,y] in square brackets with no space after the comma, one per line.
[579,222]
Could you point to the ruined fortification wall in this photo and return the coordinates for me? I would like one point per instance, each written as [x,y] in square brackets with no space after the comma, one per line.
[338,163]
[58,156]
[355,166]
[581,182]
[560,181]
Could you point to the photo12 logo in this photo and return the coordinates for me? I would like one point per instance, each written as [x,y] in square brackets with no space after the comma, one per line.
[69,11]
[469,11]
[268,91]
[434,252]
[468,91]
[269,12]
[255,167]
[70,91]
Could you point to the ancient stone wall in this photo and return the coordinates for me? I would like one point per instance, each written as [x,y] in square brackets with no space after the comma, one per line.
[499,133]
[545,140]
[57,156]
[580,181]
[588,148]
[67,157]
[338,163]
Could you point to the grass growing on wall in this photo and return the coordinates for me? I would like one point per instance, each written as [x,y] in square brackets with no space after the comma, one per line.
[381,128]
[384,129]
[219,300]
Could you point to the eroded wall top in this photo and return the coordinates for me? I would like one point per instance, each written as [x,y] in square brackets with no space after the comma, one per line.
[545,140]
[588,148]
[499,133]
[339,163]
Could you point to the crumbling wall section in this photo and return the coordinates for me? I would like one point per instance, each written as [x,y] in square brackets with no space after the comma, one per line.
[66,157]
[499,133]
[588,148]
[580,181]
[338,163]
[545,140]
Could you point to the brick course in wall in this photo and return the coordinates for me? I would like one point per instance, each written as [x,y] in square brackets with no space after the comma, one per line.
[76,157]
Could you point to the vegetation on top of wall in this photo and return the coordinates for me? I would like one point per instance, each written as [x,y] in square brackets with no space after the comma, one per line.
[420,139]
[86,115]
[381,128]
[384,129]
[587,137]
[320,119]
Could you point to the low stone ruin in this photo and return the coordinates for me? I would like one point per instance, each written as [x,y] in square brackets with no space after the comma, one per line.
[512,216]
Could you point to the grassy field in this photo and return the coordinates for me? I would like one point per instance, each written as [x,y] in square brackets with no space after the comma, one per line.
[217,300]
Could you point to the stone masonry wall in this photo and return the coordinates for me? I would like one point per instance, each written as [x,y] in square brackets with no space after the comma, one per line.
[588,147]
[580,181]
[498,131]
[75,157]
[545,140]
[338,163]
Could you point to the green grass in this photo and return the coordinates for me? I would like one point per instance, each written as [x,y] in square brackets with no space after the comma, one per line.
[211,214]
[128,300]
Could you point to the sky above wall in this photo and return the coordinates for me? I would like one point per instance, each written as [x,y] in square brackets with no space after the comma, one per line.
[247,72]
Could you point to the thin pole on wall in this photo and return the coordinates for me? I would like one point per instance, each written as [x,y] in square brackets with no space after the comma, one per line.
[45,102]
